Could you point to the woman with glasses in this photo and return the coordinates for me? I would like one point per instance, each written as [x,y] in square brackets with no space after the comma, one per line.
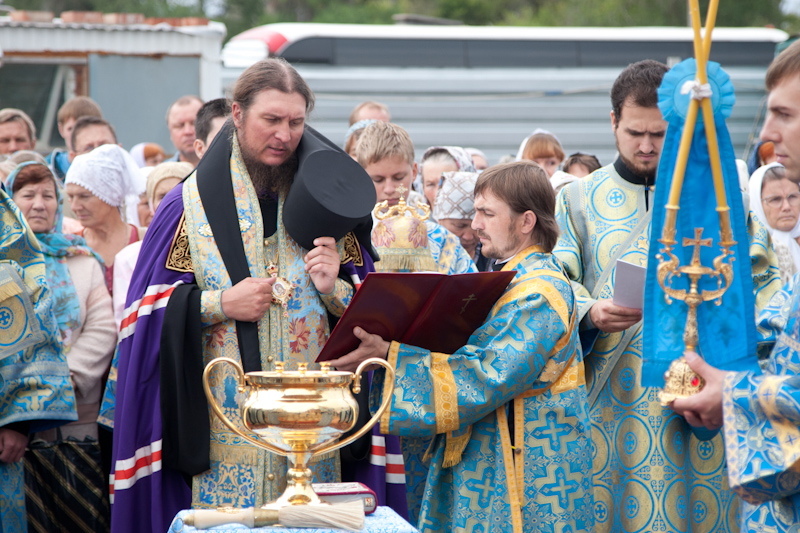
[775,201]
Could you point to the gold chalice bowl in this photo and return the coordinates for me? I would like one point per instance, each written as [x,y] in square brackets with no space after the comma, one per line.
[298,414]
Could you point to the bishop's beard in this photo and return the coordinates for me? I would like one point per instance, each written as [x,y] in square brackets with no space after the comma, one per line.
[275,179]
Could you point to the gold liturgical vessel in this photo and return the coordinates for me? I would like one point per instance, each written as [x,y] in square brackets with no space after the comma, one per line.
[679,380]
[298,414]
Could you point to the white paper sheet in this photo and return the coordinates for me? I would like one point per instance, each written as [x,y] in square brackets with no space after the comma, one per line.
[629,285]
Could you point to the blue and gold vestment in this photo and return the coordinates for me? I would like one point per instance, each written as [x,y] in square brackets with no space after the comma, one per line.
[762,425]
[527,355]
[450,258]
[651,473]
[34,377]
[242,475]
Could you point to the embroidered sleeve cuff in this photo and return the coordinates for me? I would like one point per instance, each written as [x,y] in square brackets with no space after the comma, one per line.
[211,308]
[388,387]
[338,300]
[445,394]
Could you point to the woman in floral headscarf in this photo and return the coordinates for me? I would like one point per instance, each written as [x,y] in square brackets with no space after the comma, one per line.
[436,161]
[81,301]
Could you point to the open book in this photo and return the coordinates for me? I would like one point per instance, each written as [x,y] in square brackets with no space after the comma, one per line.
[433,311]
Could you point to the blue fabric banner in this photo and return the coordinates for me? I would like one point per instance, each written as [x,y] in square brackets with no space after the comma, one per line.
[727,331]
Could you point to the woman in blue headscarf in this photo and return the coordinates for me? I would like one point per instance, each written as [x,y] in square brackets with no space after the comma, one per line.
[81,302]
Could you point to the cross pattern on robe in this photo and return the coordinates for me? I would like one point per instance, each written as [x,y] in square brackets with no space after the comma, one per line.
[755,439]
[787,361]
[561,488]
[484,485]
[761,526]
[553,431]
[5,318]
[705,449]
[616,197]
[431,525]
[700,511]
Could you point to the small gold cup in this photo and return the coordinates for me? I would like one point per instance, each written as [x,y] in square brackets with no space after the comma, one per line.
[298,414]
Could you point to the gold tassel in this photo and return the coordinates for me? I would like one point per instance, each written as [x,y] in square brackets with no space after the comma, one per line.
[9,289]
[454,448]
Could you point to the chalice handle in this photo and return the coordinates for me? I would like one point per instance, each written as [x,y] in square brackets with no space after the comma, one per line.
[372,421]
[218,412]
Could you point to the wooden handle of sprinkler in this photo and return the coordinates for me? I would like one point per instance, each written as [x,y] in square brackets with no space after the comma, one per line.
[208,518]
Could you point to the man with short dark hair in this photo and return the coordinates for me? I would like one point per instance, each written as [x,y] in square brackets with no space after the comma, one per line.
[648,468]
[180,122]
[90,132]
[68,115]
[203,288]
[759,413]
[209,121]
[17,131]
[523,364]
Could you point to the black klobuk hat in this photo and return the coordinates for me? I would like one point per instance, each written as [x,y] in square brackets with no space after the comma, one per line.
[331,195]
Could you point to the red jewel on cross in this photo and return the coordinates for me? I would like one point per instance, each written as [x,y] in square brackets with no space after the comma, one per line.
[695,381]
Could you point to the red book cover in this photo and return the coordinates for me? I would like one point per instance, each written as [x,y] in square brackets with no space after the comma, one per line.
[433,311]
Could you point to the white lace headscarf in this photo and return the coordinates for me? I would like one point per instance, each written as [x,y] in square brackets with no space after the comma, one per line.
[111,174]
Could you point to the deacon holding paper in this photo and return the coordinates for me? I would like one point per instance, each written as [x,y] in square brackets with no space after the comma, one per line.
[645,461]
[760,413]
[508,410]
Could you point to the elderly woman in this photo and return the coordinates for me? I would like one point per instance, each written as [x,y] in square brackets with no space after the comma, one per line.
[81,304]
[160,181]
[436,161]
[775,201]
[455,209]
[98,186]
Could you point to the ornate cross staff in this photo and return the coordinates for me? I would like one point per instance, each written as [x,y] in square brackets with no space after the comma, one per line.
[680,380]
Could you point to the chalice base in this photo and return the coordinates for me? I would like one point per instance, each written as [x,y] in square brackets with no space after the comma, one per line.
[680,381]
[294,495]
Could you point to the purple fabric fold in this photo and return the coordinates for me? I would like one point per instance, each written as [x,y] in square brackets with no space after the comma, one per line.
[145,496]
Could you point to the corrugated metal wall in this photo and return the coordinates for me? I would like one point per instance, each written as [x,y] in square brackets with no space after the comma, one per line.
[494,109]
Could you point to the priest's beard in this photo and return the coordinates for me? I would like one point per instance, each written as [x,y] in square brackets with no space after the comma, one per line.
[643,171]
[275,179]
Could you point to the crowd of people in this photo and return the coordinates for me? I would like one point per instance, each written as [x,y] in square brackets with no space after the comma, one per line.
[122,276]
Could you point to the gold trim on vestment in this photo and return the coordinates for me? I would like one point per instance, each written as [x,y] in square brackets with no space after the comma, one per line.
[388,385]
[352,250]
[445,396]
[179,258]
[508,460]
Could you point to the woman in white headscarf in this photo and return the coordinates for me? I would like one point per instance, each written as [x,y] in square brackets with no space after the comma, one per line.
[103,188]
[775,201]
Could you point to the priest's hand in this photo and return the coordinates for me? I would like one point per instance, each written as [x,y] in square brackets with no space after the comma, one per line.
[12,445]
[611,318]
[703,409]
[248,300]
[322,264]
[371,346]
